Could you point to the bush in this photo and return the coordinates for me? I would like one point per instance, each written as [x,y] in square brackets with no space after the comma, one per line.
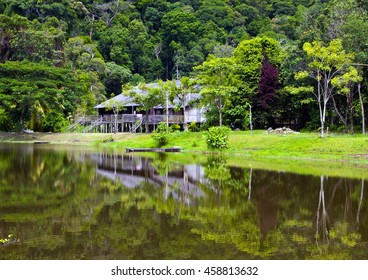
[193,127]
[174,127]
[161,127]
[5,121]
[160,135]
[54,122]
[217,138]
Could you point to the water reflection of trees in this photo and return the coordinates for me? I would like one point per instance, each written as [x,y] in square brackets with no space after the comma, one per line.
[108,206]
[45,197]
[335,237]
[275,219]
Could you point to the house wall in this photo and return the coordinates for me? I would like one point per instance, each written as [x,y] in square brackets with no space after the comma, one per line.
[196,115]
[130,111]
[127,110]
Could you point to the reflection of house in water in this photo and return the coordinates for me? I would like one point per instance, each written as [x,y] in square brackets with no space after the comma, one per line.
[180,182]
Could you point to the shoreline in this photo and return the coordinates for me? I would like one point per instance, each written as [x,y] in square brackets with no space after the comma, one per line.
[303,146]
[257,151]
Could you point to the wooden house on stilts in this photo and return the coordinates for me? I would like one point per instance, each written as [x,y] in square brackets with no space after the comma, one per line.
[122,114]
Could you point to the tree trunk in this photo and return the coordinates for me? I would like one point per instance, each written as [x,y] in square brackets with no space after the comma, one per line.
[146,124]
[321,111]
[322,129]
[323,119]
[351,119]
[350,109]
[250,119]
[91,28]
[362,109]
[323,219]
[220,112]
[167,112]
[185,119]
[220,117]
[116,123]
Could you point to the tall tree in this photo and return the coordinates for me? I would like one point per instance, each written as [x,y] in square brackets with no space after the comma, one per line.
[24,39]
[181,90]
[30,90]
[330,66]
[147,97]
[267,84]
[250,57]
[218,79]
[179,26]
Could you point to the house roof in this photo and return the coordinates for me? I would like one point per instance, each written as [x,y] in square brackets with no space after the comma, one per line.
[127,101]
[121,98]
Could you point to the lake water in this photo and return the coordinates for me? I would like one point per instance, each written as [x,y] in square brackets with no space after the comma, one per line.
[74,203]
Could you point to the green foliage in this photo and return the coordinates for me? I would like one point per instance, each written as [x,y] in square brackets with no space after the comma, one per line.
[114,105]
[4,241]
[193,127]
[217,138]
[226,217]
[106,44]
[5,121]
[55,122]
[330,66]
[217,77]
[82,53]
[148,97]
[24,39]
[137,79]
[182,90]
[29,90]
[160,135]
[174,127]
[217,168]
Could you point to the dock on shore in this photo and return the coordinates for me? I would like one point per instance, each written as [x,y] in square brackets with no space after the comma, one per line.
[160,150]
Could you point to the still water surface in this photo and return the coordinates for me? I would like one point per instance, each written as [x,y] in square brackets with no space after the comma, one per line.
[72,203]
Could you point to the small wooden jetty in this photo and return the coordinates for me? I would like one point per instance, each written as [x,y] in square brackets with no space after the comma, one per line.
[160,150]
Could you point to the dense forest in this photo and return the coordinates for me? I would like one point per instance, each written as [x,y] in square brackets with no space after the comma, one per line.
[296,62]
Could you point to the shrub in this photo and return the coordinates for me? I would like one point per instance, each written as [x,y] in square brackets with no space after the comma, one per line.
[160,135]
[55,122]
[5,121]
[217,138]
[161,127]
[193,127]
[174,127]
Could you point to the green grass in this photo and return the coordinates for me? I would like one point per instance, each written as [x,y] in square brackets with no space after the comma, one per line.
[305,153]
[304,145]
[307,146]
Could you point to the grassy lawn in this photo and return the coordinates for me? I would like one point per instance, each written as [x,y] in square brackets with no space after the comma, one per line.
[304,145]
[305,153]
[259,144]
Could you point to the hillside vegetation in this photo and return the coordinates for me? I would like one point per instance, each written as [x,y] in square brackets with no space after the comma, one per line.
[298,63]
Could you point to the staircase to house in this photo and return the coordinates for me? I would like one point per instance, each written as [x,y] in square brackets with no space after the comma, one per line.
[93,125]
[137,124]
[79,122]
